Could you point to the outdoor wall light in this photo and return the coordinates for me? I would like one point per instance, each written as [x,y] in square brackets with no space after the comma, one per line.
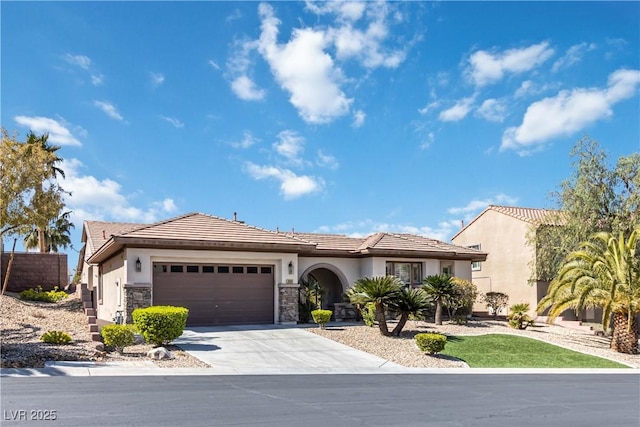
[138,265]
[290,267]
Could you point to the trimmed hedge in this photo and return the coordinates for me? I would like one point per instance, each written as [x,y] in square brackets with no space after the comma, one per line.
[431,343]
[321,317]
[118,336]
[160,324]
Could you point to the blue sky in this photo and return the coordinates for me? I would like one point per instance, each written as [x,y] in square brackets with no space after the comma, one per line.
[324,117]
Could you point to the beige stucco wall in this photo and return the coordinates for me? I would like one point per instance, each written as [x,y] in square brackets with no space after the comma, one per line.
[507,266]
[113,278]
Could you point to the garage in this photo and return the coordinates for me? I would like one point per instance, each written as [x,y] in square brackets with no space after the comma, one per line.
[217,294]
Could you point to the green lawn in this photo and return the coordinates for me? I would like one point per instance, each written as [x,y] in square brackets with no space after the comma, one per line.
[511,351]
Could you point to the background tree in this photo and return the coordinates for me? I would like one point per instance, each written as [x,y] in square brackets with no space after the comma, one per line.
[495,301]
[57,234]
[380,290]
[439,288]
[597,197]
[604,272]
[29,193]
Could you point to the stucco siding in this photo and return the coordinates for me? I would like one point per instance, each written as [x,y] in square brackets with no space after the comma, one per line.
[507,268]
[110,296]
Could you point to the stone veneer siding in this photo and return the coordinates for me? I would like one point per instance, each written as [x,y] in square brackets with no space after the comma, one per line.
[136,295]
[288,303]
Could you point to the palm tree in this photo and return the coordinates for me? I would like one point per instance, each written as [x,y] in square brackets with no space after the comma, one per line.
[381,290]
[604,272]
[409,301]
[51,170]
[440,288]
[56,235]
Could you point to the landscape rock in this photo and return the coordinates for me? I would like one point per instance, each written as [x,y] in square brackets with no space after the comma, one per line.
[159,353]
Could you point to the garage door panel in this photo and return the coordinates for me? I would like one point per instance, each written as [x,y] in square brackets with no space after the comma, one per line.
[218,298]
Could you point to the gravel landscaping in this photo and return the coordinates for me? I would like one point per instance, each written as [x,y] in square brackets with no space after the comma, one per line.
[22,323]
[402,350]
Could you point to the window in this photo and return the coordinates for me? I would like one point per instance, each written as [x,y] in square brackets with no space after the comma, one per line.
[265,270]
[193,269]
[223,269]
[476,265]
[207,268]
[177,269]
[409,273]
[159,268]
[238,270]
[252,270]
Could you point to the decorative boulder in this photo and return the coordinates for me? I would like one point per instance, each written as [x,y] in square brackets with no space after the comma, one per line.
[159,353]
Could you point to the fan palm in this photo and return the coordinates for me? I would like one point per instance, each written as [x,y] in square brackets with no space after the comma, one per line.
[439,288]
[380,290]
[56,235]
[409,301]
[604,272]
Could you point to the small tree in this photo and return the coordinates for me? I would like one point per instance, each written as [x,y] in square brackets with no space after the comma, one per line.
[409,302]
[462,300]
[381,291]
[495,302]
[440,289]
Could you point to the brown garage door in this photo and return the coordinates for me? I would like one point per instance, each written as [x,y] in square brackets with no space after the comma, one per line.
[216,294]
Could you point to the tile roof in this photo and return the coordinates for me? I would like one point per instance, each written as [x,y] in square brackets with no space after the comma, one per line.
[530,215]
[196,230]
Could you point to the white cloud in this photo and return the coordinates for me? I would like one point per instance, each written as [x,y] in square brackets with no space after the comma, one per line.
[109,109]
[58,133]
[428,141]
[475,206]
[327,160]
[81,61]
[366,227]
[358,118]
[97,79]
[458,112]
[346,11]
[214,64]
[430,106]
[486,67]
[246,89]
[573,55]
[569,112]
[96,199]
[156,79]
[493,110]
[247,141]
[304,70]
[291,185]
[175,122]
[290,145]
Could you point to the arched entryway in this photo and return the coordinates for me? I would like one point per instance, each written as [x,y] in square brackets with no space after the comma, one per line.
[331,280]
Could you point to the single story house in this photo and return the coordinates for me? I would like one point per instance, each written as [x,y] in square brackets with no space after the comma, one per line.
[227,272]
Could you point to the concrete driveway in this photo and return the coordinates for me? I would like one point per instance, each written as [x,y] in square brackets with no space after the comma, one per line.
[275,349]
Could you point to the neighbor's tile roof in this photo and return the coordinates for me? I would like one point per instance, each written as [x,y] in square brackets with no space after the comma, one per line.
[334,242]
[531,215]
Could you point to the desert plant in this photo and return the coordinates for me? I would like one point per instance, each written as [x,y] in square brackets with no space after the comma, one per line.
[409,302]
[309,298]
[518,317]
[160,324]
[380,290]
[118,336]
[368,312]
[431,343]
[56,337]
[321,317]
[462,300]
[37,294]
[440,289]
[495,301]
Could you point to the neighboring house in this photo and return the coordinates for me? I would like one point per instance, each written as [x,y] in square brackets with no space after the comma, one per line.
[227,272]
[502,231]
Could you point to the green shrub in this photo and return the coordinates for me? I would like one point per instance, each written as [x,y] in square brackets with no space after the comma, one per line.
[321,317]
[160,324]
[38,294]
[56,337]
[369,314]
[431,343]
[118,336]
[518,317]
[460,319]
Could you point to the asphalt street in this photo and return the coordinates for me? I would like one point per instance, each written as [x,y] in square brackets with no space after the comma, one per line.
[319,400]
